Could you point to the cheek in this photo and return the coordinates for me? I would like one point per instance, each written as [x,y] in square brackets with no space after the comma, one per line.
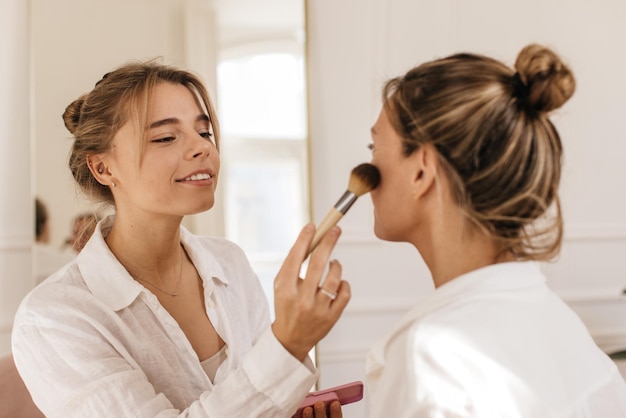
[385,198]
[375,196]
[215,159]
[215,162]
[383,195]
[383,212]
[386,179]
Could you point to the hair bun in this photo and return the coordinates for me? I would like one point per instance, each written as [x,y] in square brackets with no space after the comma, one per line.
[71,116]
[549,82]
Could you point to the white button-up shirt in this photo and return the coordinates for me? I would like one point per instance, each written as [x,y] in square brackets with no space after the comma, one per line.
[92,342]
[493,343]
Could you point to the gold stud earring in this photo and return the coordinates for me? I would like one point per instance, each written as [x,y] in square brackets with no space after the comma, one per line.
[112,184]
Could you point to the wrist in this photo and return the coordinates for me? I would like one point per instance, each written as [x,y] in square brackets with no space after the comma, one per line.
[299,351]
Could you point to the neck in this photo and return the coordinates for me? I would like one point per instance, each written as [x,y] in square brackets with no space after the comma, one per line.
[147,247]
[455,248]
[450,244]
[462,259]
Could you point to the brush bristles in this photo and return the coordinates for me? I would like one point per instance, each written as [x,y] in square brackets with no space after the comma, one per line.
[363,178]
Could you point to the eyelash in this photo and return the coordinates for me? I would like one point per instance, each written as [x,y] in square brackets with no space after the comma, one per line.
[205,135]
[166,139]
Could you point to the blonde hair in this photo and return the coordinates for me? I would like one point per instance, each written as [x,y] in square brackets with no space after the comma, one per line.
[489,124]
[121,96]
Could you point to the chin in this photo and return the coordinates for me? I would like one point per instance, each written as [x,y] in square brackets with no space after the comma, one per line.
[380,233]
[386,235]
[203,207]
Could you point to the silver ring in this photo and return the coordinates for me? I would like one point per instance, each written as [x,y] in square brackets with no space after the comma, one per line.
[331,295]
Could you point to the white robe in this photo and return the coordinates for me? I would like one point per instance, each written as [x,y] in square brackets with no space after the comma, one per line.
[493,343]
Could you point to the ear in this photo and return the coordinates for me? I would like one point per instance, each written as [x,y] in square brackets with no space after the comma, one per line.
[99,169]
[426,164]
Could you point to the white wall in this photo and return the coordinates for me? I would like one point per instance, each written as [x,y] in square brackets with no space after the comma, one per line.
[355,45]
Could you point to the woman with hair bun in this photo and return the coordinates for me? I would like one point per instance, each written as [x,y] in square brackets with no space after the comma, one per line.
[470,167]
[149,319]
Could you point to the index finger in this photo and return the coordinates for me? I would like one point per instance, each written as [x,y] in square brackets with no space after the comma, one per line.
[319,259]
[290,269]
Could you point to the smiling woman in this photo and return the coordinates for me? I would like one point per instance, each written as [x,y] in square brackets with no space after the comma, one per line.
[263,200]
[167,319]
[153,296]
[176,122]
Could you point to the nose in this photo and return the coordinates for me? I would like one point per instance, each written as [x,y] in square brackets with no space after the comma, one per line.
[199,147]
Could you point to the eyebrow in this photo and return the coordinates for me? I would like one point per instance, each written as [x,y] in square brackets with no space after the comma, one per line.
[173,121]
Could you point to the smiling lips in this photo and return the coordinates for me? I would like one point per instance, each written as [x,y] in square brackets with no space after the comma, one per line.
[198,177]
[203,176]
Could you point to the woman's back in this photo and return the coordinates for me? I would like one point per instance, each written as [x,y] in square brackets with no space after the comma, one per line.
[495,342]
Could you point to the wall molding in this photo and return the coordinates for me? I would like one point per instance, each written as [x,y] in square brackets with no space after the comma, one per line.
[400,305]
[16,242]
[359,236]
[6,328]
[574,233]
[356,354]
[592,296]
[595,232]
[378,306]
[610,342]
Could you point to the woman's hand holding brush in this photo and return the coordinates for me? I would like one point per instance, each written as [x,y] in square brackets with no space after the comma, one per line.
[305,314]
[306,311]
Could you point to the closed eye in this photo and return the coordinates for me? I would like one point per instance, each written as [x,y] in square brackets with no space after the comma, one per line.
[208,135]
[164,139]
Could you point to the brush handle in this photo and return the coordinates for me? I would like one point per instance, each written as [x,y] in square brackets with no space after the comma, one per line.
[332,217]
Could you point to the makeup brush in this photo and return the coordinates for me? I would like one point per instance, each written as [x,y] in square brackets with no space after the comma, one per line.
[363,178]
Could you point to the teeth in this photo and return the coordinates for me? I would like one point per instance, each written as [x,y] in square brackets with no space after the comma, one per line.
[199,177]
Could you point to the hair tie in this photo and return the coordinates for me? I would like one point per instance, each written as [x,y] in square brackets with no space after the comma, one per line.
[520,89]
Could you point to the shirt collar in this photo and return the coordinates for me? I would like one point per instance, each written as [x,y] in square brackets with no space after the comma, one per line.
[202,258]
[501,277]
[108,280]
